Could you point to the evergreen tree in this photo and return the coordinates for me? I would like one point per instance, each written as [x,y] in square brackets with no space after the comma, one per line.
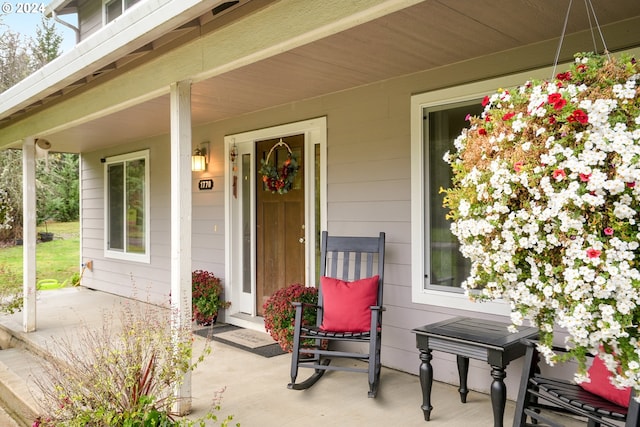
[57,177]
[57,188]
[47,44]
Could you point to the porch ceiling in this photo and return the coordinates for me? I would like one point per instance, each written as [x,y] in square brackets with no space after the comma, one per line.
[431,34]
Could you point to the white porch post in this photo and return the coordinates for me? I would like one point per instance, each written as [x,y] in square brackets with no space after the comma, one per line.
[181,223]
[29,234]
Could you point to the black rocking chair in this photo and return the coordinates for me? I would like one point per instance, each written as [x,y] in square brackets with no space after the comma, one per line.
[342,259]
[540,396]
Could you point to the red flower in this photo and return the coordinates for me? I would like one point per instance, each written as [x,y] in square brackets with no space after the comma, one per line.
[517,166]
[279,313]
[564,76]
[593,253]
[559,105]
[608,231]
[582,68]
[585,177]
[508,116]
[482,131]
[578,116]
[557,101]
[485,101]
[553,98]
[631,184]
[559,174]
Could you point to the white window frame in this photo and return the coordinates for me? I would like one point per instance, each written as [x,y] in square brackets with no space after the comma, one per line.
[419,208]
[123,3]
[124,255]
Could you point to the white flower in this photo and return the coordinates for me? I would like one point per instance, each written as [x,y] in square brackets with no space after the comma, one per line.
[549,216]
[464,208]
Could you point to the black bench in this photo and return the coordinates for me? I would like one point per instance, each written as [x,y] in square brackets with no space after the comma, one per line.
[539,396]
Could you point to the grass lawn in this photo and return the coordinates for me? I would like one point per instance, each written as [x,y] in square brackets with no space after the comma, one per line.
[57,261]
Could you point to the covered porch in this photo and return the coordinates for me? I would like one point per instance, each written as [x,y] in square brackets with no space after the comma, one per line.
[255,387]
[197,77]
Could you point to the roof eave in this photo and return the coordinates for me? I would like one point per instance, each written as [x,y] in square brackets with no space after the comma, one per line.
[139,26]
[61,7]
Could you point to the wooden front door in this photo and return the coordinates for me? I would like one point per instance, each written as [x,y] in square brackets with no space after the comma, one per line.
[280,254]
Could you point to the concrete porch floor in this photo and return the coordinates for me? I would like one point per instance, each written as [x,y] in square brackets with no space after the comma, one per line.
[255,387]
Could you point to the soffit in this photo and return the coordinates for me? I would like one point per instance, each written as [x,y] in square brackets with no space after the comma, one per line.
[429,35]
[61,7]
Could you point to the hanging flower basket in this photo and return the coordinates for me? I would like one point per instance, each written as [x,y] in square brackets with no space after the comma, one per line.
[545,202]
[279,179]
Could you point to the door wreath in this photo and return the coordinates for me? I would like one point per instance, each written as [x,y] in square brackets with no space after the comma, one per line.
[279,179]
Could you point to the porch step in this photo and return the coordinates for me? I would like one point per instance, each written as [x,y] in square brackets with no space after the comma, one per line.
[17,369]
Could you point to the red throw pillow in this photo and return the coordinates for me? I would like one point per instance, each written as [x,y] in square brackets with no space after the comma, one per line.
[601,386]
[347,305]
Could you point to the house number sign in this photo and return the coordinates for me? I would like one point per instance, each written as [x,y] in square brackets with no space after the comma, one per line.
[205,184]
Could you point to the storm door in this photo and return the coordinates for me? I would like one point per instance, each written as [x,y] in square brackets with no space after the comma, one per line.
[275,211]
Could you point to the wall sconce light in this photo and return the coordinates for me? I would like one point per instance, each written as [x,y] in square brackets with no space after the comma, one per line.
[200,158]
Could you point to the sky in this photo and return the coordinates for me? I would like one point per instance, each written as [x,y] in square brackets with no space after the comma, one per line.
[24,18]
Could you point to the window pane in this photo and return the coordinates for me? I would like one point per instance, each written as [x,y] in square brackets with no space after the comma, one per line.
[317,186]
[116,210]
[246,223]
[135,206]
[113,9]
[129,3]
[448,267]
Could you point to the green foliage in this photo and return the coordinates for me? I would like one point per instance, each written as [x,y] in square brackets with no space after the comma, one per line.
[75,279]
[47,44]
[122,374]
[206,295]
[58,193]
[21,56]
[15,62]
[10,291]
[6,217]
[57,179]
[55,261]
[279,313]
[57,190]
[11,183]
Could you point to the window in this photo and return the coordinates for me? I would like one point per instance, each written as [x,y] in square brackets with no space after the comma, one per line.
[446,267]
[127,207]
[437,268]
[115,8]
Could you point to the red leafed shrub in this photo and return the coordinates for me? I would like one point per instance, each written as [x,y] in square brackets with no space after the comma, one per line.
[279,313]
[206,295]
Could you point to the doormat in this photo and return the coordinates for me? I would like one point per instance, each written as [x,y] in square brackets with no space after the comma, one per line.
[245,339]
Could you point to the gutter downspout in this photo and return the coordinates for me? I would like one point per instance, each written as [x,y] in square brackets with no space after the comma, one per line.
[68,25]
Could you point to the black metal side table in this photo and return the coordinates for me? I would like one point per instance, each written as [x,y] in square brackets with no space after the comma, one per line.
[476,339]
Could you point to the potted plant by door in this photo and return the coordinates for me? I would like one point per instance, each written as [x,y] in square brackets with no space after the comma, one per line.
[279,313]
[206,297]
